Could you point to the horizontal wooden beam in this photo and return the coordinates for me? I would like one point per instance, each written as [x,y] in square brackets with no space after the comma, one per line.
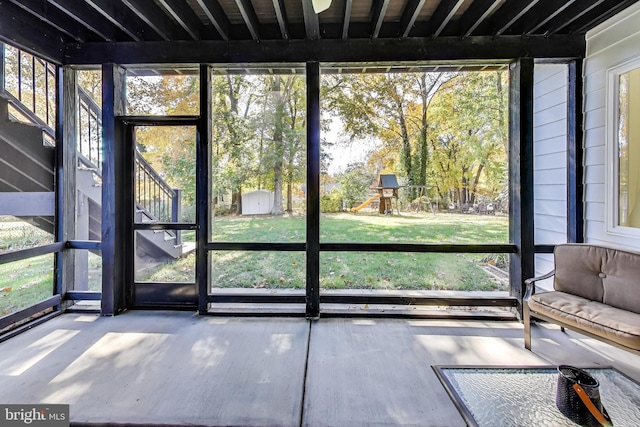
[437,298]
[83,296]
[8,257]
[479,48]
[20,203]
[92,245]
[32,310]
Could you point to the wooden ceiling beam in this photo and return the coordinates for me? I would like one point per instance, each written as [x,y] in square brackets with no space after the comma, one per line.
[443,15]
[543,13]
[23,30]
[570,15]
[346,21]
[180,12]
[478,12]
[121,17]
[154,17]
[88,17]
[508,15]
[409,16]
[599,15]
[217,17]
[55,18]
[311,22]
[443,49]
[250,18]
[281,16]
[377,16]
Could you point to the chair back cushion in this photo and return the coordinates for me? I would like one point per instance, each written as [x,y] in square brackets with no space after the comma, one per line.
[607,275]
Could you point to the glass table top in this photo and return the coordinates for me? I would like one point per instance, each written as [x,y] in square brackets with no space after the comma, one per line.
[525,396]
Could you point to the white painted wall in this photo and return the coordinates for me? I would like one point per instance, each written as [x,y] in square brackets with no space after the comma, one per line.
[550,160]
[611,44]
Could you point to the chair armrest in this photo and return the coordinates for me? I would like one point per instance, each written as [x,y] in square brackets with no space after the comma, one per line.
[531,284]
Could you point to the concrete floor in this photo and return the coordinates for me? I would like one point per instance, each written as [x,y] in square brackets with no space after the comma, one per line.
[176,368]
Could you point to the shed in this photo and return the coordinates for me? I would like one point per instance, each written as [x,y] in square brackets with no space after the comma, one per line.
[259,202]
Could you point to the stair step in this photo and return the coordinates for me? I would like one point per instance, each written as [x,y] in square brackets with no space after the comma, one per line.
[20,172]
[26,134]
[29,141]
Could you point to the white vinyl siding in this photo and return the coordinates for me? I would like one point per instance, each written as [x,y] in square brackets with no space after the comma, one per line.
[550,160]
[611,44]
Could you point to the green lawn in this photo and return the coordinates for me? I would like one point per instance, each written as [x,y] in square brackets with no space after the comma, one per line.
[347,227]
[26,282]
[352,270]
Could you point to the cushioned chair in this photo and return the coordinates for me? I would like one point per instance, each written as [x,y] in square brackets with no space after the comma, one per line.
[596,292]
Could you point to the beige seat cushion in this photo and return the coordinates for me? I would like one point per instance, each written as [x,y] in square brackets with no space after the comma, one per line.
[617,325]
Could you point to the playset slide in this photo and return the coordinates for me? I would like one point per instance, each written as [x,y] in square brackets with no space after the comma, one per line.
[366,203]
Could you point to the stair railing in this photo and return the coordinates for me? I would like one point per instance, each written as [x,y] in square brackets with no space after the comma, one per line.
[152,192]
[32,77]
[89,130]
[154,196]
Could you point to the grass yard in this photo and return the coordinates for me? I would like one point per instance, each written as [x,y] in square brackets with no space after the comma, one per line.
[353,270]
[414,228]
[23,283]
[347,227]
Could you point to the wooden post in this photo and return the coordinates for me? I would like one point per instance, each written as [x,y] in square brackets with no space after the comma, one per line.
[2,65]
[575,168]
[203,191]
[81,257]
[66,152]
[521,226]
[313,190]
[176,212]
[115,253]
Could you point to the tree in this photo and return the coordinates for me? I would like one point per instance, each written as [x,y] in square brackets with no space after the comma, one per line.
[469,136]
[354,184]
[375,105]
[282,129]
[258,135]
[232,161]
[295,138]
[392,107]
[170,150]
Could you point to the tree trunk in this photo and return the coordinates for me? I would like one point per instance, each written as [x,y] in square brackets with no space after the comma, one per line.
[406,152]
[278,143]
[423,143]
[476,180]
[289,197]
[236,200]
[277,189]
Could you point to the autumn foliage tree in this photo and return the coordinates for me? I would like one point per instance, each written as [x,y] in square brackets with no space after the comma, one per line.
[436,130]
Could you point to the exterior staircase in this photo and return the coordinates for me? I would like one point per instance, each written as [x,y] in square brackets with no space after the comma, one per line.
[27,185]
